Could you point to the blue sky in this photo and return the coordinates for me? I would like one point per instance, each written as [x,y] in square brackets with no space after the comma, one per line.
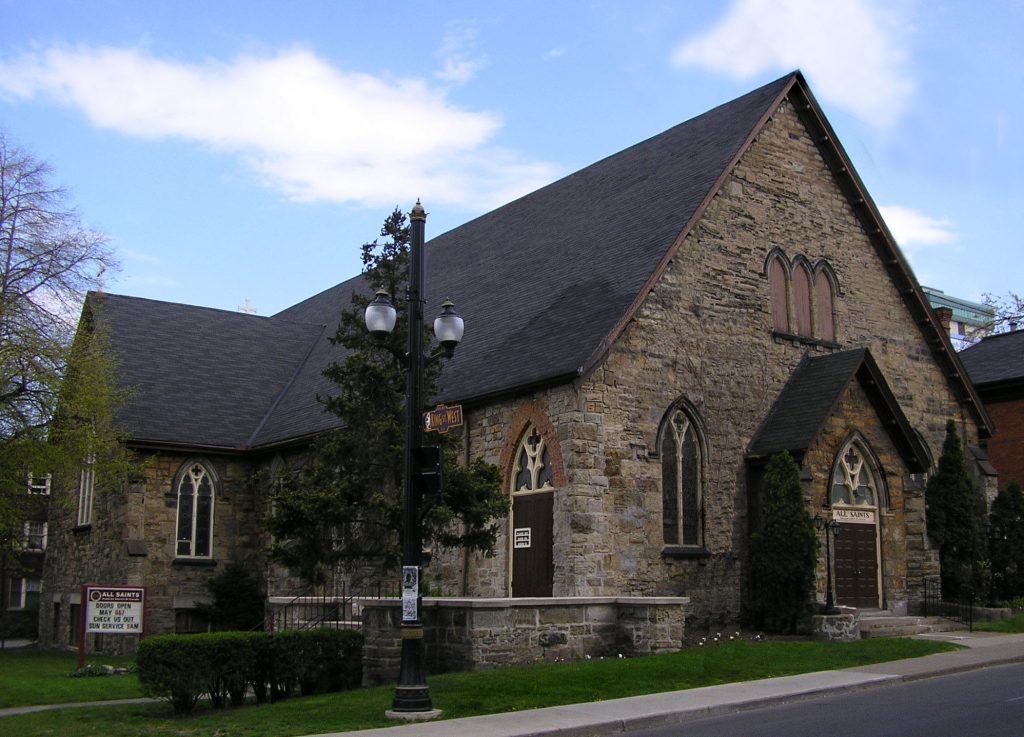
[238,153]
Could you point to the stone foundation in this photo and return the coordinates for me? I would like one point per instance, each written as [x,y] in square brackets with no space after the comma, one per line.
[481,634]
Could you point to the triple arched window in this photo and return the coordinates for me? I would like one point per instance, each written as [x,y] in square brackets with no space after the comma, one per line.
[802,297]
[681,479]
[195,486]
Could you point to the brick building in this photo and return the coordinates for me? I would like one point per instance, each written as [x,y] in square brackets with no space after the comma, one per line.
[996,366]
[642,335]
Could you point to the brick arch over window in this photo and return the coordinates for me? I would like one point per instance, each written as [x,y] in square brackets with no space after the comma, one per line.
[683,452]
[532,415]
[195,488]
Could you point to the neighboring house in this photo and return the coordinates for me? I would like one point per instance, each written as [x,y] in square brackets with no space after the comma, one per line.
[641,337]
[22,572]
[996,366]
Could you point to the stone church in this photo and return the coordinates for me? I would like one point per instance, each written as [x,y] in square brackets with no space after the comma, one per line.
[642,336]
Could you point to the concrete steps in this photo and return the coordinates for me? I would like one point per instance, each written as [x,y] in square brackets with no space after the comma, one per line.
[882,624]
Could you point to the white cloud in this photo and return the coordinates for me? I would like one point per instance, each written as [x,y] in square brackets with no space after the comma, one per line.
[458,64]
[851,50]
[914,230]
[310,130]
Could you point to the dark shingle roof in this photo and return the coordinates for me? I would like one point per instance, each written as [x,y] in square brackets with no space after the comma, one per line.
[997,358]
[208,377]
[545,283]
[811,395]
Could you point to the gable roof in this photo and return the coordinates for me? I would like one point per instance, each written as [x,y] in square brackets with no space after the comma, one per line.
[996,359]
[546,284]
[208,376]
[811,395]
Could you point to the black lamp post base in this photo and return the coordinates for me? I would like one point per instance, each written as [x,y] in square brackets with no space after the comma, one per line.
[412,704]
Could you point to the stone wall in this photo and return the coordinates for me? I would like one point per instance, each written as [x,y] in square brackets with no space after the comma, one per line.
[481,634]
[131,542]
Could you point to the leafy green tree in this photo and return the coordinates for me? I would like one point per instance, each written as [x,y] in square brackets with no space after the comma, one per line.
[57,392]
[1006,543]
[783,550]
[954,520]
[343,508]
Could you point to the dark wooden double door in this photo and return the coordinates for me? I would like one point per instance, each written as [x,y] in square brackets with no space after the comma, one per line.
[855,552]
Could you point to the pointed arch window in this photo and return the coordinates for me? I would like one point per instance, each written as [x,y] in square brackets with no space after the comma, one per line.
[532,469]
[778,286]
[195,491]
[681,481]
[854,481]
[802,300]
[824,301]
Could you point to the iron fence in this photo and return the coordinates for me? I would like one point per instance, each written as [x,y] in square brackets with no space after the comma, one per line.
[961,610]
[337,606]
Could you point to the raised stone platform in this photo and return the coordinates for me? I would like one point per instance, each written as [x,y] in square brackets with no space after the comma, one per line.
[480,634]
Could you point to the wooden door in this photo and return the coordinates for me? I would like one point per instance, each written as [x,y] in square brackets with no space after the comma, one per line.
[532,541]
[856,564]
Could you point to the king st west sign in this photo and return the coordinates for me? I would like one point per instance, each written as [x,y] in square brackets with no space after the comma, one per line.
[441,419]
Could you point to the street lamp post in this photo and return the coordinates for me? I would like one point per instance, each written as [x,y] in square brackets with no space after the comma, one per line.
[412,696]
[830,526]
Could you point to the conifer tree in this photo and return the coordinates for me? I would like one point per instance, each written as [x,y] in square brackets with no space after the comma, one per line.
[1006,544]
[954,524]
[783,550]
[344,508]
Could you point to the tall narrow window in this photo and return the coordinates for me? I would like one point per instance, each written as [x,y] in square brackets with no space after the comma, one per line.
[682,497]
[86,491]
[778,286]
[195,512]
[823,305]
[802,299]
[533,464]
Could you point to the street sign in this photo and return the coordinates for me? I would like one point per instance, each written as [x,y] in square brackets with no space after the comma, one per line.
[442,418]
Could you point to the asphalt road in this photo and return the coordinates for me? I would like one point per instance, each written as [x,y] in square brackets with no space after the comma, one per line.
[985,703]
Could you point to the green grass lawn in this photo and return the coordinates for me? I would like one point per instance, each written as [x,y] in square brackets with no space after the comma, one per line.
[469,694]
[41,677]
[1013,625]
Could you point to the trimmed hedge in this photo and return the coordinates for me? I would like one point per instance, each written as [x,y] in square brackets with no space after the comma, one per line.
[224,665]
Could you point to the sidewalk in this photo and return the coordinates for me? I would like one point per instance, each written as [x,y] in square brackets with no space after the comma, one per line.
[640,712]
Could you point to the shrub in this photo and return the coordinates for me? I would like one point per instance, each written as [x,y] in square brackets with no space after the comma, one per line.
[238,599]
[180,668]
[173,667]
[783,551]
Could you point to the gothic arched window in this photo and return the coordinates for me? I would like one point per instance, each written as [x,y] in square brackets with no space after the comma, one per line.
[824,303]
[532,469]
[194,485]
[802,300]
[778,286]
[853,479]
[681,482]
